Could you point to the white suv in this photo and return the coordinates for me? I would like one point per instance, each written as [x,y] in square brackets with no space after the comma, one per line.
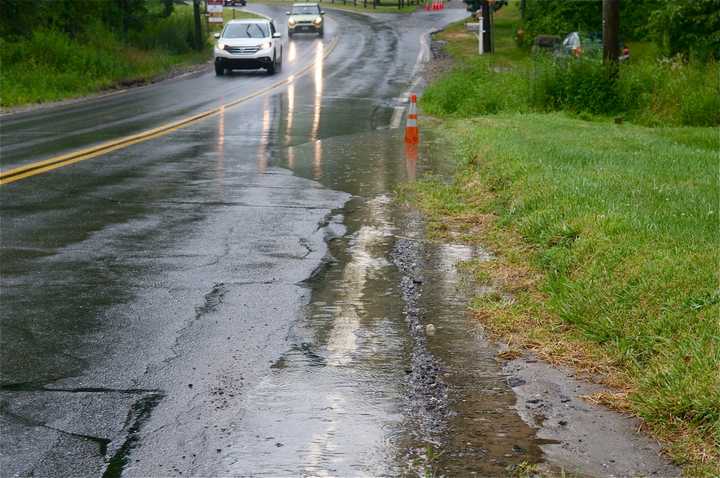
[248,44]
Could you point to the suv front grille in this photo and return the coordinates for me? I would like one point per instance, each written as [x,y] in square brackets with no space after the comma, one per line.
[242,50]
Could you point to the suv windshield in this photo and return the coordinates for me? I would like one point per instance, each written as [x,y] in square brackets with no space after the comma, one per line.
[305,10]
[246,30]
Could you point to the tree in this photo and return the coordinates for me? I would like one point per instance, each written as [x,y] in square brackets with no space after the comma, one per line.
[688,28]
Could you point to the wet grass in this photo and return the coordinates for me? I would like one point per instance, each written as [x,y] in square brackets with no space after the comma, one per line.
[51,66]
[648,90]
[606,235]
[607,239]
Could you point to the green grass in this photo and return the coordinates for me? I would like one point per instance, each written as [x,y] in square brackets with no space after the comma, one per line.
[50,66]
[606,234]
[649,91]
[622,224]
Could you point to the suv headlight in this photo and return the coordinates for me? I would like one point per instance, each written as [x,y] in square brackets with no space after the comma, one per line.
[220,45]
[291,22]
[266,45]
[317,21]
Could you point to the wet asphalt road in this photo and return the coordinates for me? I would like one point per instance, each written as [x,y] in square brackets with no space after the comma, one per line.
[222,300]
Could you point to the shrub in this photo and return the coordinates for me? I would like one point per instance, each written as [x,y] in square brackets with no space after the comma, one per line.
[660,92]
[174,34]
[577,85]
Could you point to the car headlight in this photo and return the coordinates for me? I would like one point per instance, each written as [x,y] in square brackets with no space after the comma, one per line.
[221,45]
[291,22]
[317,21]
[266,45]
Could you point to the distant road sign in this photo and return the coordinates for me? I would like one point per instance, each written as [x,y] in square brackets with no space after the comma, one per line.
[215,11]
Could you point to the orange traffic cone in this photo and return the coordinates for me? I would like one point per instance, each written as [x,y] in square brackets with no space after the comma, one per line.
[412,134]
[411,156]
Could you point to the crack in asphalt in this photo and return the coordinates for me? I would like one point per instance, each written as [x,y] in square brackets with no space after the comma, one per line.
[34,387]
[213,300]
[304,242]
[29,422]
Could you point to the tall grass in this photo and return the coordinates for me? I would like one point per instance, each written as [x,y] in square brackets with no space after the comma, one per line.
[660,92]
[50,65]
[622,221]
[625,221]
[173,34]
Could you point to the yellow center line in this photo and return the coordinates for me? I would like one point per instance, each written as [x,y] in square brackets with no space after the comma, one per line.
[39,167]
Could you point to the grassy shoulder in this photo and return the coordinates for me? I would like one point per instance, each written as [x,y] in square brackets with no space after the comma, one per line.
[51,66]
[605,237]
[647,90]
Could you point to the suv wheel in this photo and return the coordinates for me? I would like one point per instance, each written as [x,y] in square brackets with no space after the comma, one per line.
[272,67]
[219,68]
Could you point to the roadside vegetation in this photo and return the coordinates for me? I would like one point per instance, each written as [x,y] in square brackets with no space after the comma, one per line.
[599,197]
[55,50]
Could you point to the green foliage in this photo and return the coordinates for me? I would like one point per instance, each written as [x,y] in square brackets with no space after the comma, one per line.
[476,89]
[559,18]
[577,85]
[688,27]
[21,17]
[50,65]
[174,34]
[623,222]
[52,49]
[647,92]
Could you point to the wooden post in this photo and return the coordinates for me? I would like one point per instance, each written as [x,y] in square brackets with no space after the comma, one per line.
[611,31]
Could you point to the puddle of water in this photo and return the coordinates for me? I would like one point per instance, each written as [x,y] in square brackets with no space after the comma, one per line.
[357,327]
[485,435]
[333,404]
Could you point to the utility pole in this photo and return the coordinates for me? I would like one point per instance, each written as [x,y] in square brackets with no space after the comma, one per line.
[611,31]
[198,26]
[485,27]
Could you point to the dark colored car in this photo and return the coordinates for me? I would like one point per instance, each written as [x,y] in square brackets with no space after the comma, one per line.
[235,3]
[546,43]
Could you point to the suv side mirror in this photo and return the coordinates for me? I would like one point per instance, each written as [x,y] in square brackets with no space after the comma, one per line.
[322,12]
[217,36]
[277,35]
[287,13]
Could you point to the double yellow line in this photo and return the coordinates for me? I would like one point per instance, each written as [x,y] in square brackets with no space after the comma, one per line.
[39,167]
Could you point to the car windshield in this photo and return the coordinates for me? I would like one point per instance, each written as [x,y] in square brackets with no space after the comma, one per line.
[246,30]
[305,10]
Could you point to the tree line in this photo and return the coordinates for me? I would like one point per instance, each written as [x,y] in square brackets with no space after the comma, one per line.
[20,17]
